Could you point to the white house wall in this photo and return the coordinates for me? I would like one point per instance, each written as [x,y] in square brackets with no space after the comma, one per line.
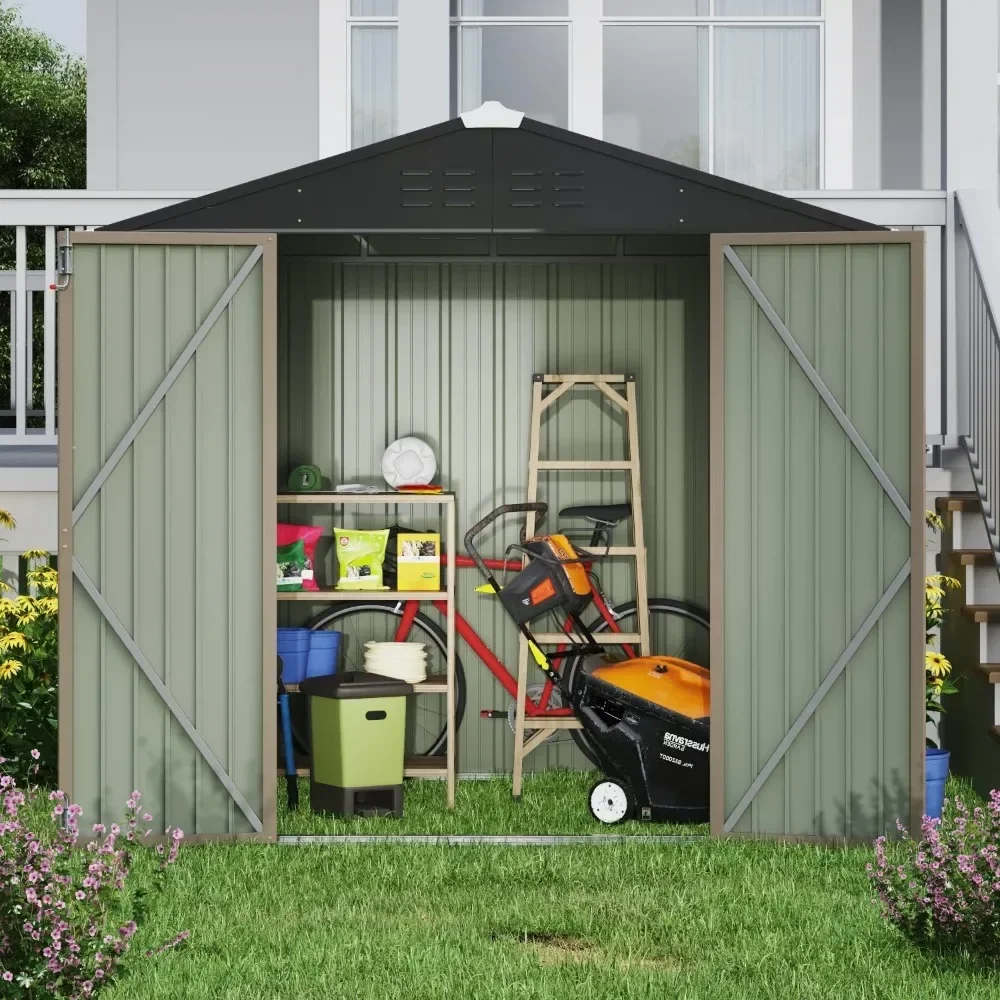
[199,94]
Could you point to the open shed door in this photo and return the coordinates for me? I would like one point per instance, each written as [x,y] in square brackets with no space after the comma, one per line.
[166,500]
[817,534]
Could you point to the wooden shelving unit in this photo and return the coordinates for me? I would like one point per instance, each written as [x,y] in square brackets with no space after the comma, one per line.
[327,594]
[415,767]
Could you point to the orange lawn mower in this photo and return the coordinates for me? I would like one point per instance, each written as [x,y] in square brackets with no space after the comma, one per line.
[646,720]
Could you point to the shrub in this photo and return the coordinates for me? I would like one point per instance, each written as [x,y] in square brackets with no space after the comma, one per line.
[66,919]
[945,888]
[29,648]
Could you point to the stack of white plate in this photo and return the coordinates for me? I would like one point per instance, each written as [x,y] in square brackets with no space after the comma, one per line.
[405,661]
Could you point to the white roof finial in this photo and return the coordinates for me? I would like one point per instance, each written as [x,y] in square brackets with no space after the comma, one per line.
[492,114]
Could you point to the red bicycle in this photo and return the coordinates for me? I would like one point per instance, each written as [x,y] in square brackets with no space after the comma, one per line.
[677,628]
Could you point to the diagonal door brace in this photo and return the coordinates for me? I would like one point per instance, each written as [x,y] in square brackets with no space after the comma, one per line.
[168,380]
[168,699]
[818,384]
[818,695]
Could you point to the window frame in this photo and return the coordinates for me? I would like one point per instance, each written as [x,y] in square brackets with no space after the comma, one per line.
[457,22]
[710,23]
[585,24]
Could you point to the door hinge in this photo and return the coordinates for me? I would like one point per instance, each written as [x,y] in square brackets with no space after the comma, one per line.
[64,262]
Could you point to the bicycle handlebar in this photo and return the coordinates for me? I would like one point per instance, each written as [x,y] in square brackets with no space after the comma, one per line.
[508,508]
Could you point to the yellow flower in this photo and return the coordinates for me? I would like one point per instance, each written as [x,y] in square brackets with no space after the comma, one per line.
[936,664]
[36,555]
[27,618]
[6,520]
[13,640]
[8,669]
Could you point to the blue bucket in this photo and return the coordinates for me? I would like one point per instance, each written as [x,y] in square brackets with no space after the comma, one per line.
[324,647]
[293,648]
[935,775]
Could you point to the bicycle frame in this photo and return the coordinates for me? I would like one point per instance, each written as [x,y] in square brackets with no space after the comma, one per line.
[486,655]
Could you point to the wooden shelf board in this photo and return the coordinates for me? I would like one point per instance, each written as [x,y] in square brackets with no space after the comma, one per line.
[415,767]
[425,767]
[435,684]
[325,594]
[374,498]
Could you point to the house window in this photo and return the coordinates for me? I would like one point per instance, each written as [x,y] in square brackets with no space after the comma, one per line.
[373,27]
[512,51]
[728,86]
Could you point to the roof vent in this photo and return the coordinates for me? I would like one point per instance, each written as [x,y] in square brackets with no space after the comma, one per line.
[492,114]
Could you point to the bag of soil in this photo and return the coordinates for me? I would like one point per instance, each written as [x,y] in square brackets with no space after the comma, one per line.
[296,556]
[360,555]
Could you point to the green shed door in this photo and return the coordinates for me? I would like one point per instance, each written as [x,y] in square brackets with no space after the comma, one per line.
[166,500]
[817,534]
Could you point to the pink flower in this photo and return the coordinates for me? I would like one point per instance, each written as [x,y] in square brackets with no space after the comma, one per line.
[35,754]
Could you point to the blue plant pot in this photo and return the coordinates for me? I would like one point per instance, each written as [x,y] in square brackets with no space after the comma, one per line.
[324,648]
[293,648]
[935,775]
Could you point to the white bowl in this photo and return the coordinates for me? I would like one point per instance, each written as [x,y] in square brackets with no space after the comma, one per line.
[408,461]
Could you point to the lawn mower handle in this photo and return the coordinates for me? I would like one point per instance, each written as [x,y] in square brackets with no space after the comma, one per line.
[508,508]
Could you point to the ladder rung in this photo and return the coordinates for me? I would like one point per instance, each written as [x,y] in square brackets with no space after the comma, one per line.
[583,466]
[585,379]
[616,550]
[602,638]
[538,722]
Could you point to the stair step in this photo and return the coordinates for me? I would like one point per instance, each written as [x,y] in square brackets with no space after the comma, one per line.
[958,502]
[973,557]
[991,671]
[982,612]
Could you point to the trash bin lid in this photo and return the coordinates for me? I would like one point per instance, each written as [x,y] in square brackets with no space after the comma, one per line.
[355,684]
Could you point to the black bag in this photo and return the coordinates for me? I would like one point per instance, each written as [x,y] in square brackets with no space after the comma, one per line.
[389,575]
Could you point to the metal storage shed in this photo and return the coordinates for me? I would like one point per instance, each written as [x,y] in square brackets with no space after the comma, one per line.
[414,285]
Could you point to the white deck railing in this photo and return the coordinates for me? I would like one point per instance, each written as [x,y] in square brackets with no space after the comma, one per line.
[28,410]
[977,280]
[29,416]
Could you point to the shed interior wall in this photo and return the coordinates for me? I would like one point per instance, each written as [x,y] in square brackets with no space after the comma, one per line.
[369,351]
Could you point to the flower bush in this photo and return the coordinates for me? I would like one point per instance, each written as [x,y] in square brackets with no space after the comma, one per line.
[66,920]
[945,888]
[937,667]
[29,650]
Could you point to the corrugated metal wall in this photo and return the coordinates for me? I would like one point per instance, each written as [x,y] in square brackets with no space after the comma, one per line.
[173,540]
[368,352]
[812,541]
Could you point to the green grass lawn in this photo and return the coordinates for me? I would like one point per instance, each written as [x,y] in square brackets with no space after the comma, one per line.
[700,920]
[554,802]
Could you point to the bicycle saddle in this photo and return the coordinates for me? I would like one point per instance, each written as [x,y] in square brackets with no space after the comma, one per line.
[600,513]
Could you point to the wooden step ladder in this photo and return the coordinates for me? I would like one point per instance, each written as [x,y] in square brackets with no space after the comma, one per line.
[545,390]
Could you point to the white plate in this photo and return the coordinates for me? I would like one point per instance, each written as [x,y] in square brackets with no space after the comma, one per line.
[408,461]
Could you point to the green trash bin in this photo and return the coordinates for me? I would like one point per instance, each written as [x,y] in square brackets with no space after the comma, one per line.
[357,726]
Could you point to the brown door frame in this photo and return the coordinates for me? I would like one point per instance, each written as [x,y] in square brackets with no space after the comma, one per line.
[67,499]
[717,244]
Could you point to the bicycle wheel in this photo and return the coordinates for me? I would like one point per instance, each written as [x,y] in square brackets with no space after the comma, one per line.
[676,628]
[426,731]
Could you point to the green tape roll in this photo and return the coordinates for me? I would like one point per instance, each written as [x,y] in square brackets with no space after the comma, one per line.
[305,479]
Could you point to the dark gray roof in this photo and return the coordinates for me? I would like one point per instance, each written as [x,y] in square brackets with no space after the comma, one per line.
[531,179]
